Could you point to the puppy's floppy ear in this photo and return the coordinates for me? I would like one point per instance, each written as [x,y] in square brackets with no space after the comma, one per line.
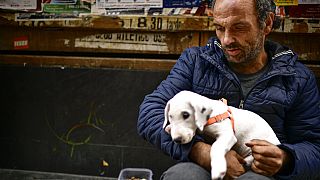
[201,113]
[168,129]
[166,114]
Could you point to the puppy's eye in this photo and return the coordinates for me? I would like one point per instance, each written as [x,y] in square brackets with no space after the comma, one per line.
[185,115]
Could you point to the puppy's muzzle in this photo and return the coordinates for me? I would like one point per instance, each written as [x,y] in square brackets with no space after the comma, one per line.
[178,140]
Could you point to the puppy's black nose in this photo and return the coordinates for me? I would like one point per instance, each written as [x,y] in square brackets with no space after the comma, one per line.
[178,140]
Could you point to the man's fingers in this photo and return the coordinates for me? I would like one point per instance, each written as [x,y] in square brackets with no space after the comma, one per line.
[257,142]
[256,167]
[262,161]
[264,148]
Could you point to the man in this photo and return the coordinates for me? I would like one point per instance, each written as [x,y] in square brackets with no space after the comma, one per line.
[251,73]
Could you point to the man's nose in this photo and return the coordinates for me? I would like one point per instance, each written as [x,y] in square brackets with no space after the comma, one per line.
[228,38]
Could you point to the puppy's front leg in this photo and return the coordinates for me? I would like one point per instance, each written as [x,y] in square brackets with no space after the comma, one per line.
[219,148]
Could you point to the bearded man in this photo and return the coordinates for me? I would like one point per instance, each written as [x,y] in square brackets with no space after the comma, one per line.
[252,73]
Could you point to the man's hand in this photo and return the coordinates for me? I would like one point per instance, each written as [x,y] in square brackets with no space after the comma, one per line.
[200,154]
[234,165]
[268,158]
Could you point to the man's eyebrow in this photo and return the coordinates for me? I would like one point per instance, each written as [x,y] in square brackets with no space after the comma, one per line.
[241,23]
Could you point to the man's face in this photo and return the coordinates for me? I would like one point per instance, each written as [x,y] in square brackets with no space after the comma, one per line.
[238,30]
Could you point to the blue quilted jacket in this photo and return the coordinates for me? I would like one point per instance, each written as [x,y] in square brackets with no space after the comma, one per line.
[286,96]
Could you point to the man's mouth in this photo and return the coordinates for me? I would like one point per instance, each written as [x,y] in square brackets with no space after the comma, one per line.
[233,51]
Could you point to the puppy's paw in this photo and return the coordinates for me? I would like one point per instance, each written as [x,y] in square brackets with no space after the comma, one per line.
[218,176]
[218,168]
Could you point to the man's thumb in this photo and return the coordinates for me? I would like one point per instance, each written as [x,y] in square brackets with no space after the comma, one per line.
[240,159]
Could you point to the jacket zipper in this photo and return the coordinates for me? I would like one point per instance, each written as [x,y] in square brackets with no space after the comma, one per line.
[241,104]
[242,100]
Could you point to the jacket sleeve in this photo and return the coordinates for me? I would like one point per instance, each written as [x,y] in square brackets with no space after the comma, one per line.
[303,132]
[151,114]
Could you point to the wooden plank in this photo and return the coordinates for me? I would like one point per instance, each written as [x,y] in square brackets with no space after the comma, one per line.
[121,22]
[88,62]
[315,68]
[152,23]
[29,174]
[306,45]
[101,62]
[301,25]
[205,36]
[95,40]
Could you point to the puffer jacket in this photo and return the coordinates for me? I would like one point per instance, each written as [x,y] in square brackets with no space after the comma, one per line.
[287,97]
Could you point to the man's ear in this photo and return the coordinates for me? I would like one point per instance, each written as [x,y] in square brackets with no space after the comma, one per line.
[269,23]
[166,114]
[201,114]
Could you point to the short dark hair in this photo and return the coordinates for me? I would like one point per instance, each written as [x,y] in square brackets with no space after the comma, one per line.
[263,7]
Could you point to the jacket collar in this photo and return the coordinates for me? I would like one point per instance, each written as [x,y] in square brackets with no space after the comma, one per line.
[282,59]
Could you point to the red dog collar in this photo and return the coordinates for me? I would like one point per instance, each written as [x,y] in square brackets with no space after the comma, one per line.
[221,117]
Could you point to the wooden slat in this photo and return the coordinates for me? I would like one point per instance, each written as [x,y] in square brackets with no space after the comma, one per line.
[88,62]
[315,69]
[306,45]
[153,23]
[98,40]
[301,25]
[95,40]
[121,22]
[101,62]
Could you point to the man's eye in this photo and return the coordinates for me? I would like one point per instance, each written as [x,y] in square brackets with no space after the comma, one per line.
[239,27]
[185,115]
[219,28]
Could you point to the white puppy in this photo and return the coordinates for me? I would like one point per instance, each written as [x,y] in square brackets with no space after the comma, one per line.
[231,127]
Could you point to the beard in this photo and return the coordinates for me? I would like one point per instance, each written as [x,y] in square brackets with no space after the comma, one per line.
[248,53]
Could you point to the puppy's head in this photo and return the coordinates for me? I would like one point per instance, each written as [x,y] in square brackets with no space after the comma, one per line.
[184,113]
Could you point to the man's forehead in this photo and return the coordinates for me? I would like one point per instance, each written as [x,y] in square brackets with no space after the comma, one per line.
[230,2]
[233,7]
[231,20]
[228,13]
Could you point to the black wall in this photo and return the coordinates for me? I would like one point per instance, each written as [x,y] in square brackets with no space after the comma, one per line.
[71,120]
